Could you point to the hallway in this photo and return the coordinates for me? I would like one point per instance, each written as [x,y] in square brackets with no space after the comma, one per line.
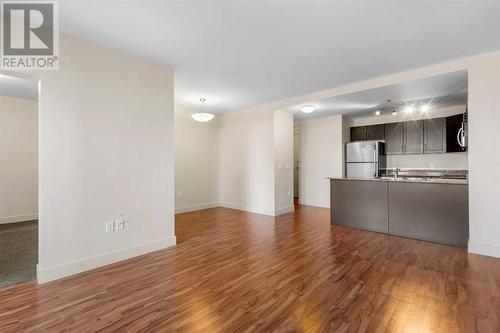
[18,252]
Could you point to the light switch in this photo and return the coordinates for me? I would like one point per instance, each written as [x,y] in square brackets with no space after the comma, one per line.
[110,226]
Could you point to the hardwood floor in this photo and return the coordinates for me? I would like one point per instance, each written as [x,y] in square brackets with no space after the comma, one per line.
[237,271]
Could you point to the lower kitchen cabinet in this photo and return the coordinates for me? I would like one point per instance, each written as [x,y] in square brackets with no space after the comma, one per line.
[433,212]
[437,212]
[359,204]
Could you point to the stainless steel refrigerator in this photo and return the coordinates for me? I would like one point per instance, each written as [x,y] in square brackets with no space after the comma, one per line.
[365,159]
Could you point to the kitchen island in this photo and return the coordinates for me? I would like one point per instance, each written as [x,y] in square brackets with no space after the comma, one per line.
[432,209]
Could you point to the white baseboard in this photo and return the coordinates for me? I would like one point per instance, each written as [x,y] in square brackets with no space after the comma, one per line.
[57,272]
[284,210]
[484,249]
[18,218]
[314,204]
[245,208]
[193,208]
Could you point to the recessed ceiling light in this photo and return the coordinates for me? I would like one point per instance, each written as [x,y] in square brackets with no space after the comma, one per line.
[308,108]
[203,117]
[394,112]
[378,113]
[409,109]
[424,108]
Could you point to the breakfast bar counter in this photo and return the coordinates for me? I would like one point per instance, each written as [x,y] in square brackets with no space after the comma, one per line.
[431,209]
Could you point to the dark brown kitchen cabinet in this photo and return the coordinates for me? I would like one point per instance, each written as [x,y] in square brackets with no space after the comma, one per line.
[394,138]
[413,137]
[429,136]
[435,136]
[359,133]
[433,212]
[436,212]
[376,132]
[372,132]
[359,204]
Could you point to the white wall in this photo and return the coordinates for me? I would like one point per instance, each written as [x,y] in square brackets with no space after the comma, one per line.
[246,160]
[456,161]
[18,159]
[283,162]
[321,143]
[196,162]
[484,154]
[254,162]
[106,148]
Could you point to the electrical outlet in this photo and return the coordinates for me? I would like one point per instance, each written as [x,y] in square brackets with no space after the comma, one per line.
[110,226]
[179,195]
[289,193]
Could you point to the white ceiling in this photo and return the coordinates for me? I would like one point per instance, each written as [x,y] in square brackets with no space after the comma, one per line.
[436,91]
[244,53]
[16,87]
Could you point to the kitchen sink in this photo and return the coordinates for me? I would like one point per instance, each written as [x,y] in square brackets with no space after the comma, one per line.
[415,178]
[403,178]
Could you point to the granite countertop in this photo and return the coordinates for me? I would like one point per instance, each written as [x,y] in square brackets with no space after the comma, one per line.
[407,180]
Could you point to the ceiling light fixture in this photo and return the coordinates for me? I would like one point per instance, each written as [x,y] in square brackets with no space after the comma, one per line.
[308,108]
[378,113]
[394,112]
[202,117]
[425,108]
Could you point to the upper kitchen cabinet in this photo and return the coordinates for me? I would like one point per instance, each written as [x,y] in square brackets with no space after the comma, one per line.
[359,133]
[413,137]
[394,138]
[429,136]
[372,132]
[435,136]
[376,132]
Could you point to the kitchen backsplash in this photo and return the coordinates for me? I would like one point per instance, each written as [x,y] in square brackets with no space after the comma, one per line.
[434,173]
[453,161]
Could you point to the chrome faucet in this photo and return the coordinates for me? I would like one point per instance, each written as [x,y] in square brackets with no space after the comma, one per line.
[396,173]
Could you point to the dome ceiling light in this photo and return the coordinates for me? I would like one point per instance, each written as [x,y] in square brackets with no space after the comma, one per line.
[202,117]
[308,108]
